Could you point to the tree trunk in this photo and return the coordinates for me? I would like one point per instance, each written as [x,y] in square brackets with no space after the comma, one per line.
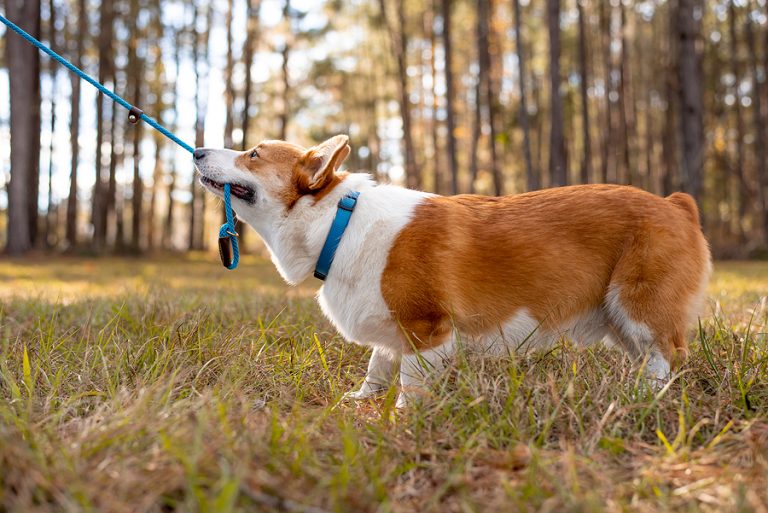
[533,180]
[50,226]
[106,52]
[399,43]
[450,93]
[71,223]
[24,76]
[761,155]
[744,196]
[670,146]
[557,171]
[135,71]
[114,156]
[691,99]
[197,205]
[251,42]
[229,88]
[586,163]
[484,8]
[607,125]
[157,176]
[168,224]
[435,101]
[285,53]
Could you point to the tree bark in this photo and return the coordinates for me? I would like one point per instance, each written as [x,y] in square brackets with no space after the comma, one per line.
[50,227]
[24,77]
[435,101]
[744,196]
[586,163]
[485,8]
[99,203]
[251,42]
[449,96]
[285,53]
[607,126]
[135,71]
[691,99]
[197,205]
[399,43]
[761,155]
[533,180]
[557,171]
[74,126]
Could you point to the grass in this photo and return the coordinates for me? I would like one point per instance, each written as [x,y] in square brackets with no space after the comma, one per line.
[174,385]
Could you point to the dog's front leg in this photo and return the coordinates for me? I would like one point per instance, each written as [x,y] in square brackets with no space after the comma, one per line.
[381,369]
[417,368]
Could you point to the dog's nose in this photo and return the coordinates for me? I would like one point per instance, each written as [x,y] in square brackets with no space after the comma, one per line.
[199,154]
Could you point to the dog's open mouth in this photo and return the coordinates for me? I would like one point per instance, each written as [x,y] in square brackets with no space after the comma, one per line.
[243,192]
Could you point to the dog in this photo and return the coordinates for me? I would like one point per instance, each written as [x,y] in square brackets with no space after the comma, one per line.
[415,274]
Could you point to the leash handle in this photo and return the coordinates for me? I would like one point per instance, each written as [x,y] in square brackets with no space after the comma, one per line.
[229,252]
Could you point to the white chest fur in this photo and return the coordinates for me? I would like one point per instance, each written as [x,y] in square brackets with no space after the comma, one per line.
[351,295]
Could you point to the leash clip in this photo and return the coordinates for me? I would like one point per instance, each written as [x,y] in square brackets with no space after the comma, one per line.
[134,115]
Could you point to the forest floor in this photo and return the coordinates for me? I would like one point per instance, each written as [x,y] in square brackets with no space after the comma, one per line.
[171,384]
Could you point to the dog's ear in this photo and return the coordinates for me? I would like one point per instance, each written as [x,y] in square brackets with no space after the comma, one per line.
[321,162]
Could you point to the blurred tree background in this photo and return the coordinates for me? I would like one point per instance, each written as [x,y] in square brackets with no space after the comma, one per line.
[451,96]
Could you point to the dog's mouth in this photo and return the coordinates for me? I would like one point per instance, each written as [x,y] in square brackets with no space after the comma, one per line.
[241,191]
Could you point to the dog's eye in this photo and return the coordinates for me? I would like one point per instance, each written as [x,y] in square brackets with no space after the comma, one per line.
[254,154]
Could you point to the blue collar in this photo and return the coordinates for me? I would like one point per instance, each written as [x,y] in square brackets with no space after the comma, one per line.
[343,214]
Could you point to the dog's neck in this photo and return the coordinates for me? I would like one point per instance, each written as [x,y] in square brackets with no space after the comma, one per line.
[296,237]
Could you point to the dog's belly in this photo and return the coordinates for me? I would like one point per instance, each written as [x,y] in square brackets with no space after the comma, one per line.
[523,332]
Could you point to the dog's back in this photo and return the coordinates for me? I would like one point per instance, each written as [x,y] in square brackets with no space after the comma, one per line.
[615,257]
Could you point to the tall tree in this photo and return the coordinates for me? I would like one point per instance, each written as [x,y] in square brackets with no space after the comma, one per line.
[399,41]
[229,88]
[761,154]
[484,10]
[136,72]
[106,65]
[744,194]
[24,77]
[74,124]
[557,170]
[50,228]
[251,42]
[586,163]
[436,162]
[285,53]
[533,180]
[688,14]
[168,224]
[450,95]
[201,29]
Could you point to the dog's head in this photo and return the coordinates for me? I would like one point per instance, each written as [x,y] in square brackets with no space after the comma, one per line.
[272,176]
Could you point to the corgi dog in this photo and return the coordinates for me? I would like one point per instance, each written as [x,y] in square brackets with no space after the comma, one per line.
[412,274]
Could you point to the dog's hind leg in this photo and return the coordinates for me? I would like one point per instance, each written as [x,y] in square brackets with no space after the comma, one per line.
[381,369]
[417,367]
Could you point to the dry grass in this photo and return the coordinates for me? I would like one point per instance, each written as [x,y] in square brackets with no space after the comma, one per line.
[173,385]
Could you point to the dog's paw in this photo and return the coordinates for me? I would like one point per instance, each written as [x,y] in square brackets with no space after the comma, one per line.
[365,392]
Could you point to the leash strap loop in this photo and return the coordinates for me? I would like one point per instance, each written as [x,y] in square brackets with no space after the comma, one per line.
[229,252]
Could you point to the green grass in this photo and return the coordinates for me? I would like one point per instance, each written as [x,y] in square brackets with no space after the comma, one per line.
[174,385]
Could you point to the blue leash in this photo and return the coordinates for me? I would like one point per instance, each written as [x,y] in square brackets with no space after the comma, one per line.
[134,115]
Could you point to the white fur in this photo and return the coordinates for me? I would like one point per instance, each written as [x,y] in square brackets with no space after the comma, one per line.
[416,369]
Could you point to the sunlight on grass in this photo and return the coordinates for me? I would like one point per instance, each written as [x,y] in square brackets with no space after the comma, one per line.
[175,385]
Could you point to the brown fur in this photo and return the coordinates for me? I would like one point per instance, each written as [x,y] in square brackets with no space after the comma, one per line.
[472,261]
[290,168]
